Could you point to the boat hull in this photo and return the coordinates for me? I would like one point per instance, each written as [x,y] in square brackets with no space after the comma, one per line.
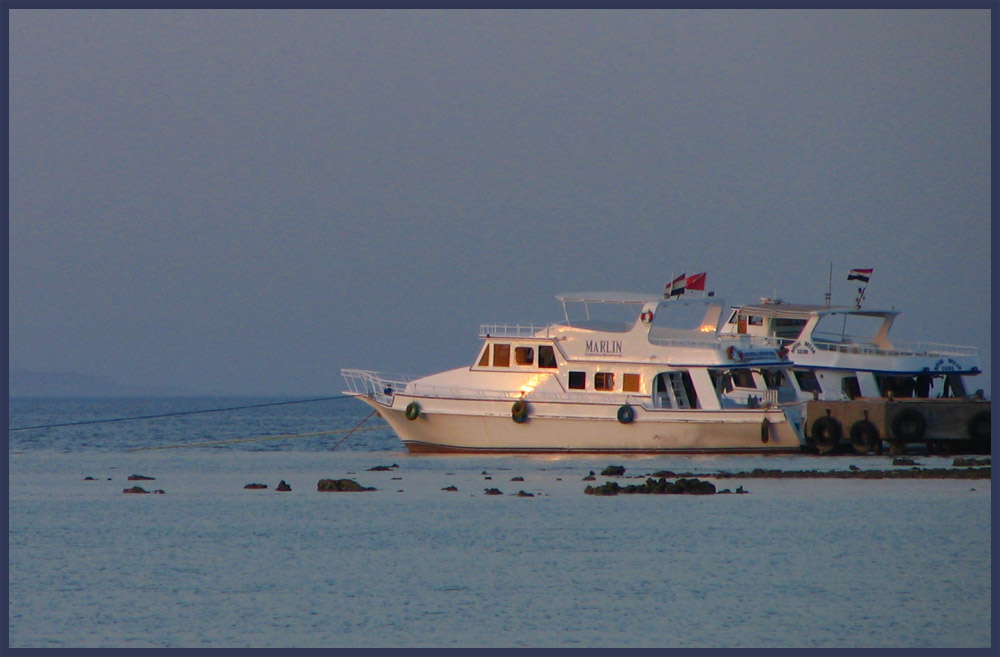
[484,426]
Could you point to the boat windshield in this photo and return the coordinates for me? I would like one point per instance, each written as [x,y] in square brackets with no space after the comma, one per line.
[848,328]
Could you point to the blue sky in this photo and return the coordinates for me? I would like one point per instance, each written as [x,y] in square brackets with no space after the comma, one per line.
[244,202]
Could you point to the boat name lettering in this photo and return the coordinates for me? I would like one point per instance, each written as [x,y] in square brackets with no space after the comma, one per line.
[803,348]
[604,347]
[947,365]
[759,354]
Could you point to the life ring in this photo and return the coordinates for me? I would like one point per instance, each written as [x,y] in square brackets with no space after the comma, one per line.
[979,429]
[625,414]
[734,354]
[412,410]
[864,436]
[519,411]
[647,317]
[909,425]
[825,434]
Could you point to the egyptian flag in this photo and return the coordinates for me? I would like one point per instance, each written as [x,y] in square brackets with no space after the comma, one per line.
[677,286]
[863,275]
[696,282]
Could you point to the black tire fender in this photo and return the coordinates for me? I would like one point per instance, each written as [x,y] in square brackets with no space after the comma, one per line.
[864,436]
[909,425]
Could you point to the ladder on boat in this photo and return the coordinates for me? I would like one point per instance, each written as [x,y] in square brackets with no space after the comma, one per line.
[680,392]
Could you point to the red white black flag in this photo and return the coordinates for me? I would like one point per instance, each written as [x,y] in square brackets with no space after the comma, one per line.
[863,275]
[677,286]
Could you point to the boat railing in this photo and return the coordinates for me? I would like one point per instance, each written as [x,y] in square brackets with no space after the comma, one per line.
[511,330]
[379,386]
[863,346]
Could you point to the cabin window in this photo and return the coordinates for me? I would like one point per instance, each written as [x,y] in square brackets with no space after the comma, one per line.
[485,360]
[850,387]
[733,316]
[721,381]
[755,320]
[604,381]
[524,355]
[788,328]
[546,356]
[743,379]
[807,381]
[578,380]
[631,383]
[501,355]
[773,379]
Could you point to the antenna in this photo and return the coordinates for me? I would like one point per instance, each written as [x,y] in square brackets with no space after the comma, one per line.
[829,289]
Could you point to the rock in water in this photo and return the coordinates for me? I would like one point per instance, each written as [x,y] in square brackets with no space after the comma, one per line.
[283,487]
[340,486]
[613,471]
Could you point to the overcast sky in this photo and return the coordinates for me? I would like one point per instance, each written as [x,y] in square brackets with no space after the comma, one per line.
[246,201]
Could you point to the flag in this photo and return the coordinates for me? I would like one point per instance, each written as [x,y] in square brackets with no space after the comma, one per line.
[863,275]
[696,282]
[677,286]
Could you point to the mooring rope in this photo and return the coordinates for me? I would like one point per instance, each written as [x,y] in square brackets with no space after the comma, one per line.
[356,428]
[177,413]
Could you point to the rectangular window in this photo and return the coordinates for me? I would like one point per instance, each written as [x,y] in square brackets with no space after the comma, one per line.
[485,360]
[524,355]
[546,356]
[743,379]
[631,383]
[604,381]
[807,380]
[578,380]
[501,355]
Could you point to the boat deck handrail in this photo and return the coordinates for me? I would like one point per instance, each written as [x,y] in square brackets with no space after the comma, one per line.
[849,345]
[512,330]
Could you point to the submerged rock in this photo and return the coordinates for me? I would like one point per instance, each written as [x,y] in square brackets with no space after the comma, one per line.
[137,477]
[450,488]
[613,471]
[655,487]
[382,468]
[904,461]
[517,478]
[522,493]
[255,486]
[969,463]
[135,490]
[493,491]
[340,486]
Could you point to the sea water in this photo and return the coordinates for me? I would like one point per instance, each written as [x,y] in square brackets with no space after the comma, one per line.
[800,563]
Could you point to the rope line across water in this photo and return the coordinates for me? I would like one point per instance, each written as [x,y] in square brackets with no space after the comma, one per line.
[175,414]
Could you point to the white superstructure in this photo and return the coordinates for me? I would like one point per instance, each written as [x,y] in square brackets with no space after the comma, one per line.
[843,353]
[660,380]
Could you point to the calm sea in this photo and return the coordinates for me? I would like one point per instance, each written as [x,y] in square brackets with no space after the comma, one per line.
[796,563]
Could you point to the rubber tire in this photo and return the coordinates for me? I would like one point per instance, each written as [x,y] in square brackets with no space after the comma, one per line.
[909,426]
[864,436]
[412,411]
[826,433]
[625,414]
[519,411]
[979,430]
